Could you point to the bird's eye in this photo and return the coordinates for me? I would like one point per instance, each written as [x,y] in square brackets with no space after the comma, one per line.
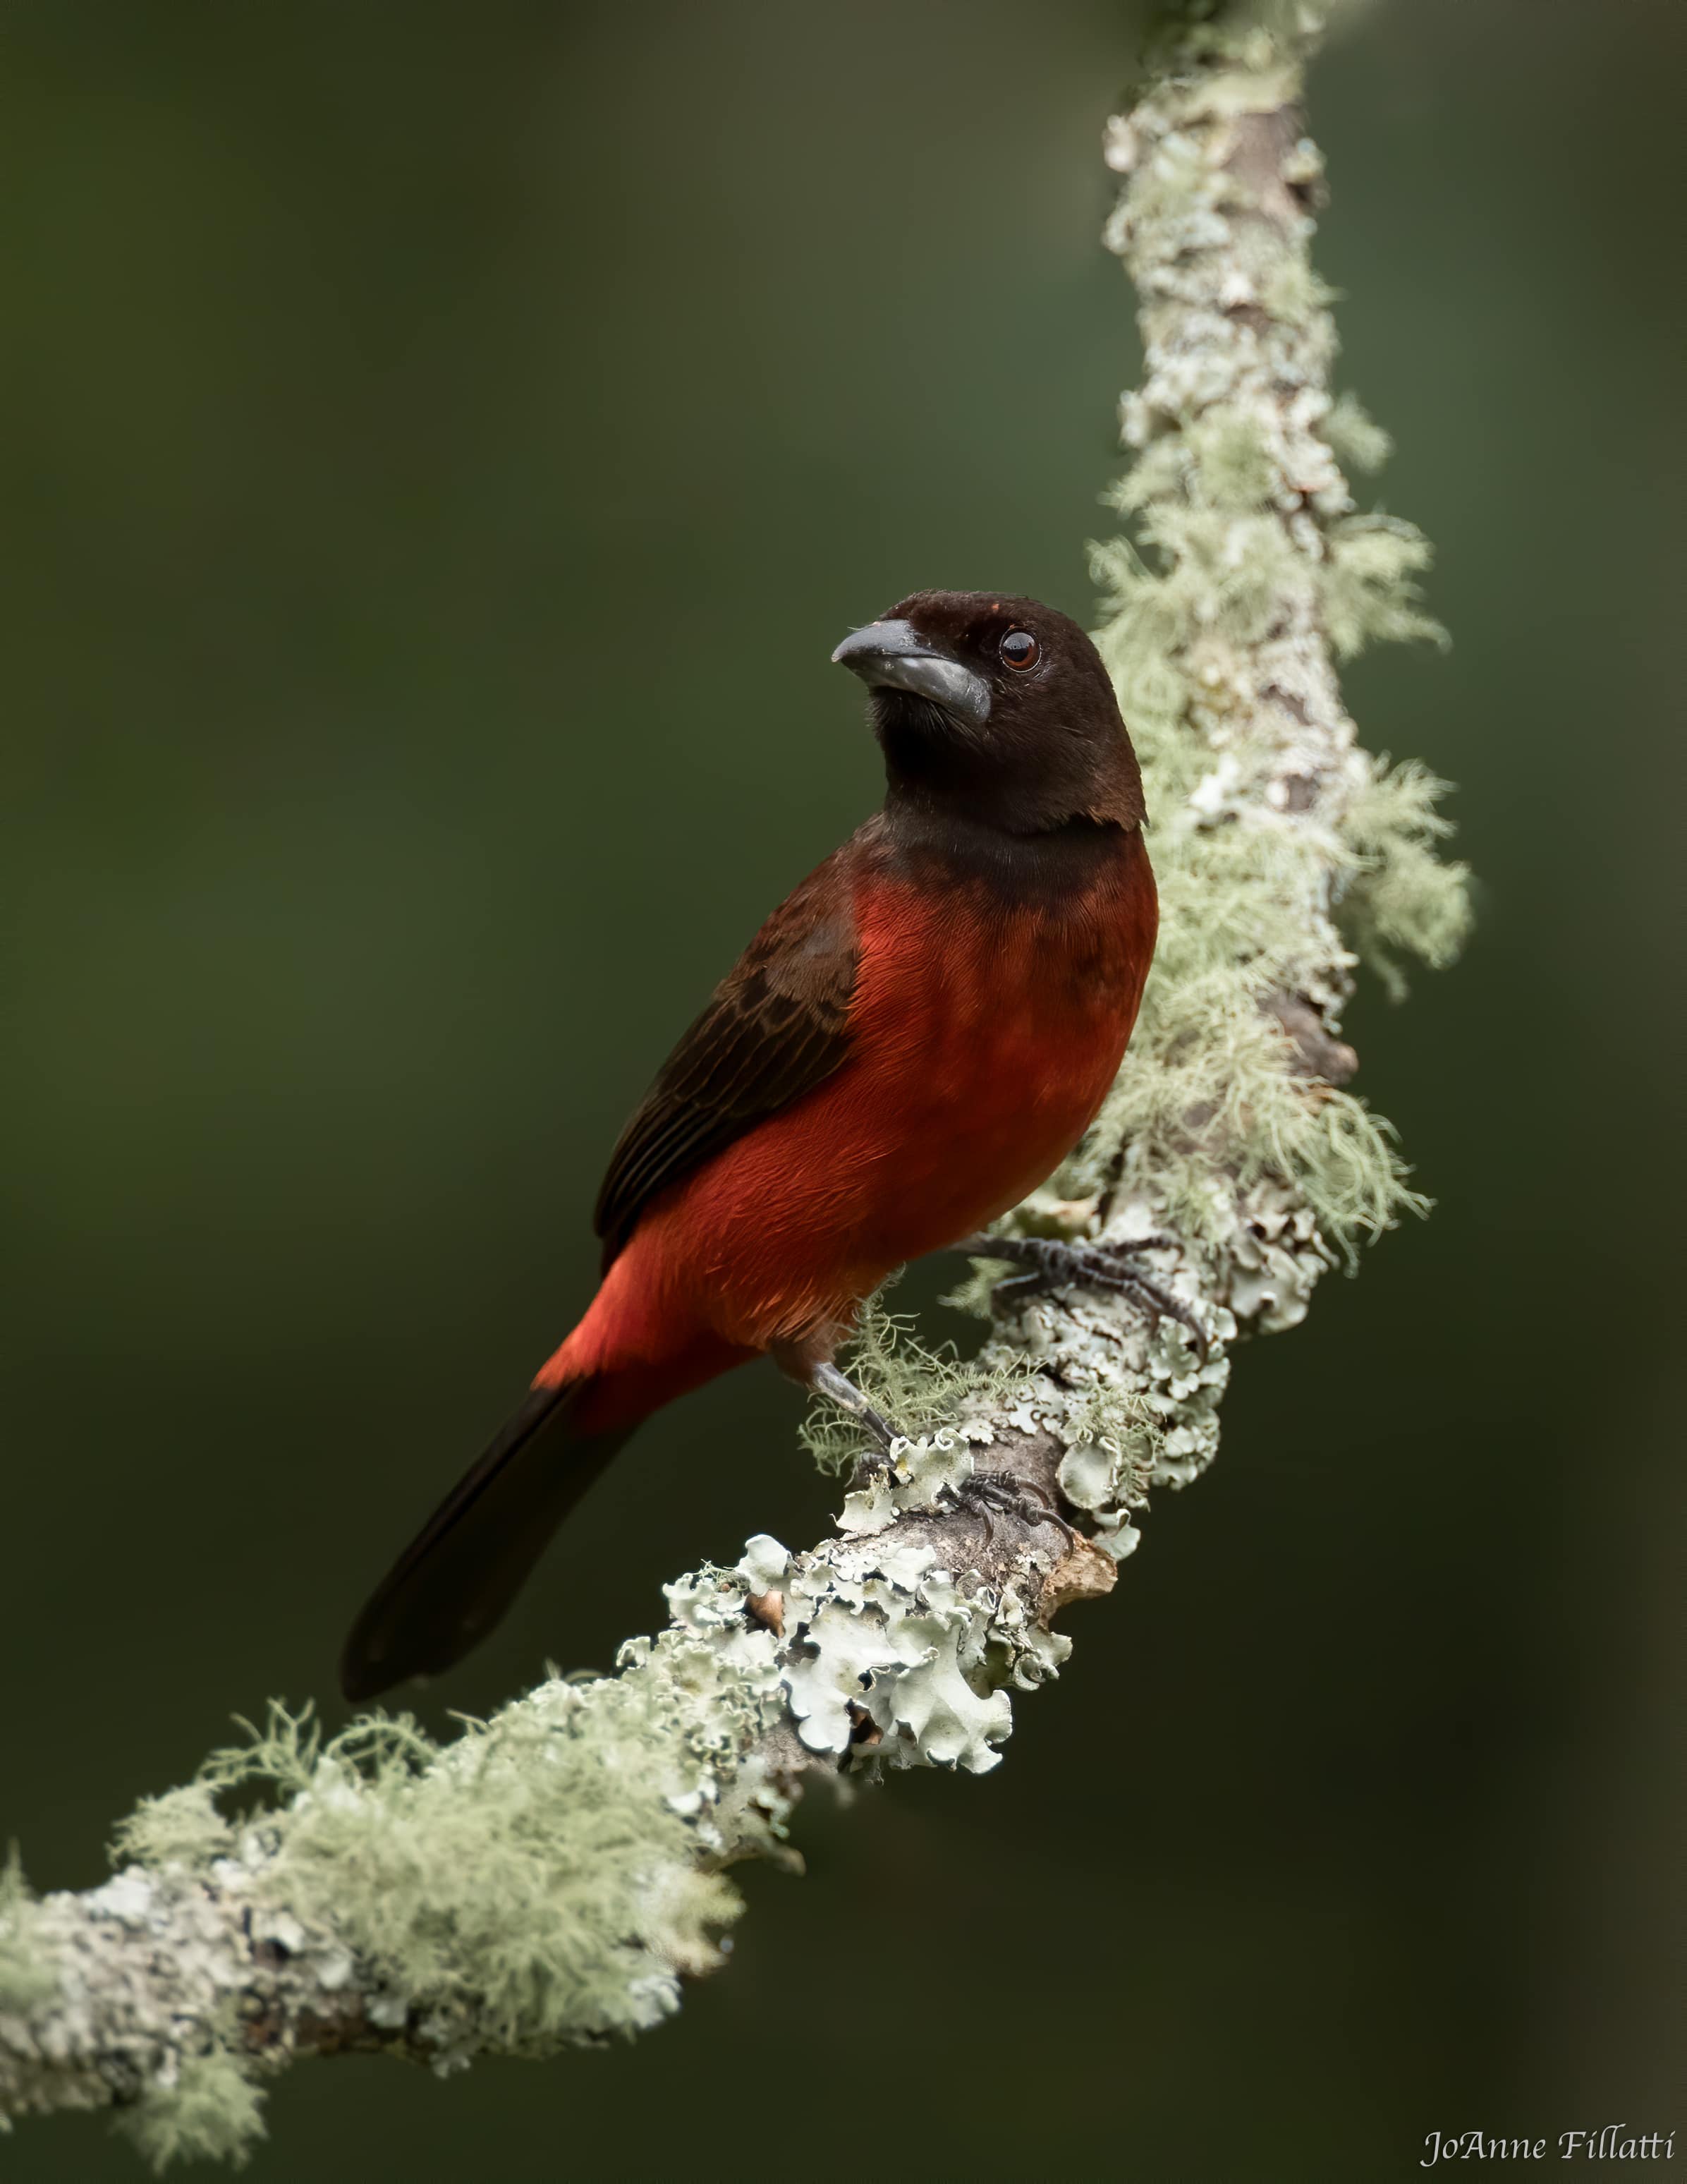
[1019,649]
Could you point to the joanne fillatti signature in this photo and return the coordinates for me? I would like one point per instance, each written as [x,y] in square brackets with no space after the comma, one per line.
[1616,2142]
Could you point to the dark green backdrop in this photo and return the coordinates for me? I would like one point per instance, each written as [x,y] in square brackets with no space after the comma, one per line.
[441,447]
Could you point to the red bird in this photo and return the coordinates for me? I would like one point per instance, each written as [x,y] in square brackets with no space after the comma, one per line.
[914,1040]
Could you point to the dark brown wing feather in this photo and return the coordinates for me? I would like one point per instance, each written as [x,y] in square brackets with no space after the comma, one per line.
[776,1026]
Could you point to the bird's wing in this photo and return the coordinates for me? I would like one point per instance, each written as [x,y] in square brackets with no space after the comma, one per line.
[778,1024]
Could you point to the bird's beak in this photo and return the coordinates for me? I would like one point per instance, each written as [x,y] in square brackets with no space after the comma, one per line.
[893,655]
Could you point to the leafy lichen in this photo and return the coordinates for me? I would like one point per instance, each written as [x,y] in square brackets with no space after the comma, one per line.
[885,1641]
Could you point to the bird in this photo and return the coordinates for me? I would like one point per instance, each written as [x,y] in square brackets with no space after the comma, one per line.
[913,1041]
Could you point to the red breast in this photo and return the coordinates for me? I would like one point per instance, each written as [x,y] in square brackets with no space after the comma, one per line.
[986,1034]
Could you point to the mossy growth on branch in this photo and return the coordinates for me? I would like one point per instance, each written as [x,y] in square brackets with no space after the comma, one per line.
[211,2112]
[1284,855]
[1208,1095]
[25,1980]
[1209,1089]
[1403,899]
[533,1885]
[525,1873]
[917,1390]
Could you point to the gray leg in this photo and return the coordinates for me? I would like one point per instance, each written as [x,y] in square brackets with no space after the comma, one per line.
[826,1380]
[1051,1264]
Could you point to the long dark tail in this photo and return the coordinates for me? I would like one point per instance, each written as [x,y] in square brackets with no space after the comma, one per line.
[455,1581]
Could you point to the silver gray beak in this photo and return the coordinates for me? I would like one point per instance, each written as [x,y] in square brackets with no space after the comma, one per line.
[893,655]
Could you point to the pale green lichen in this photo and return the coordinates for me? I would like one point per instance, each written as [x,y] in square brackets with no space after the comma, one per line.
[1370,590]
[917,1475]
[883,1639]
[25,1980]
[540,1875]
[548,1878]
[1207,1087]
[179,1828]
[1403,899]
[915,1389]
[542,1881]
[212,2111]
[1356,435]
[1243,525]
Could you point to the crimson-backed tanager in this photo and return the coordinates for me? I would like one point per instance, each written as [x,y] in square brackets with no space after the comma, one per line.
[913,1041]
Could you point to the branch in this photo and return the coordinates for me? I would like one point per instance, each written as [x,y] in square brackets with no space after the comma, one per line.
[554,1874]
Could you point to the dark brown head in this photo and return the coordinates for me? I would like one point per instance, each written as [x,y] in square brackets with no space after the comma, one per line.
[998,710]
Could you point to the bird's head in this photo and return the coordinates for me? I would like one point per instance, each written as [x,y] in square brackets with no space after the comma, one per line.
[996,707]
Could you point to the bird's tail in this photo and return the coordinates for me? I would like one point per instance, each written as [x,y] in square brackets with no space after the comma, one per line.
[456,1580]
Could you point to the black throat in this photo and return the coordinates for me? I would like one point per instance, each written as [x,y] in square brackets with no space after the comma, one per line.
[936,845]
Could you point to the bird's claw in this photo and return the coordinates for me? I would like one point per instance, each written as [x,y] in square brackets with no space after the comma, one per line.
[1008,1496]
[1051,1264]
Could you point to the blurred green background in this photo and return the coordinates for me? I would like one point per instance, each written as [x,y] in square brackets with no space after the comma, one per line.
[441,446]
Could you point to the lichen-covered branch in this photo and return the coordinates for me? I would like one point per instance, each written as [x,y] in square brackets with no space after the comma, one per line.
[555,1873]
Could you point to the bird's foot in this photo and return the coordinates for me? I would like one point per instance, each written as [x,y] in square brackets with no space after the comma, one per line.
[1005,1496]
[826,1380]
[1052,1264]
